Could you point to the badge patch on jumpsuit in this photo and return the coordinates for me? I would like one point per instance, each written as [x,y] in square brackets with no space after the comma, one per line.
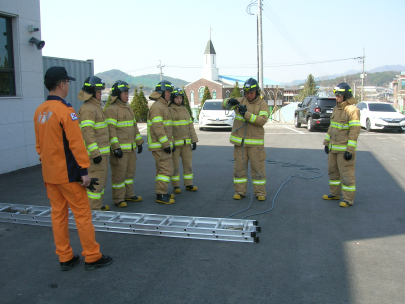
[74,116]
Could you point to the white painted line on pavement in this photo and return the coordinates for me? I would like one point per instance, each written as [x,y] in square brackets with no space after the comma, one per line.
[142,129]
[294,130]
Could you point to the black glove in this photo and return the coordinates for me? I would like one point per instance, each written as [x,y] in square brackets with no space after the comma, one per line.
[233,102]
[242,110]
[139,149]
[97,159]
[194,146]
[326,149]
[174,148]
[347,155]
[168,150]
[93,181]
[118,153]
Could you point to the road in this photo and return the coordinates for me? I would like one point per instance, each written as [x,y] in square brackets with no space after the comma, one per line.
[310,250]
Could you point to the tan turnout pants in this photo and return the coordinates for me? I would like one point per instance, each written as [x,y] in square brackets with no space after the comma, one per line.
[164,170]
[256,156]
[122,176]
[341,176]
[186,155]
[99,171]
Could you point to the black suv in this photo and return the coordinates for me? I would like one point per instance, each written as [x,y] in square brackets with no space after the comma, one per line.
[315,111]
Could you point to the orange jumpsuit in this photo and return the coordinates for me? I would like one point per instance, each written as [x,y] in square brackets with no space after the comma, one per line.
[64,159]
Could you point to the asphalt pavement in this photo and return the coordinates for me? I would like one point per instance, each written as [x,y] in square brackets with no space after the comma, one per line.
[310,250]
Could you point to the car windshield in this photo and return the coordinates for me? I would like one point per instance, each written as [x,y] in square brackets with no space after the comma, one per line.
[381,107]
[212,105]
[327,102]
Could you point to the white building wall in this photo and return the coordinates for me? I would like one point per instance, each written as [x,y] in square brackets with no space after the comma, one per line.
[17,137]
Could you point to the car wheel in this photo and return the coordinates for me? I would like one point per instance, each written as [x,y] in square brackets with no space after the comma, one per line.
[310,127]
[368,125]
[296,123]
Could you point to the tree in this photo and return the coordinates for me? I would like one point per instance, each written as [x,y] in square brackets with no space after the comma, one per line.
[108,103]
[187,104]
[309,88]
[236,91]
[139,105]
[207,95]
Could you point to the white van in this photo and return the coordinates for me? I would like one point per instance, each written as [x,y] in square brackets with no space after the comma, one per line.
[213,116]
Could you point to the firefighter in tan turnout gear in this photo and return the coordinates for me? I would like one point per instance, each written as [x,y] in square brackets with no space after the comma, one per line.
[95,135]
[125,139]
[340,145]
[160,140]
[252,112]
[185,140]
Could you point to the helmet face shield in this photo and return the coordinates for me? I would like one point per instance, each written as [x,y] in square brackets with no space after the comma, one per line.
[251,85]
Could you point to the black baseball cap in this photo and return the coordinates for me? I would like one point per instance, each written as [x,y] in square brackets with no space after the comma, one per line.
[57,73]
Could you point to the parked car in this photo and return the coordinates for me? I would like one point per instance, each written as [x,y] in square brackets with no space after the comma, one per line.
[213,116]
[377,115]
[315,112]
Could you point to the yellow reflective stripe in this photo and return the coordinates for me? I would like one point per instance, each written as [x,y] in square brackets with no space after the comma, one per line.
[138,136]
[99,85]
[334,182]
[113,140]
[188,141]
[353,123]
[111,121]
[157,119]
[348,188]
[352,143]
[104,150]
[163,178]
[265,113]
[87,123]
[188,176]
[176,178]
[87,84]
[127,123]
[190,121]
[129,181]
[92,147]
[252,118]
[163,139]
[92,195]
[239,117]
[100,125]
[126,146]
[225,103]
[155,145]
[337,125]
[337,148]
[179,142]
[118,186]
[254,141]
[180,122]
[167,122]
[239,180]
[327,137]
[259,182]
[236,139]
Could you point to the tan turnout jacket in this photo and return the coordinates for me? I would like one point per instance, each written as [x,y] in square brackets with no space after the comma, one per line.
[344,127]
[122,127]
[183,126]
[94,128]
[256,116]
[159,124]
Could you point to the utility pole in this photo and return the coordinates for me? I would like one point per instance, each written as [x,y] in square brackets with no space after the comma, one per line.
[160,67]
[260,46]
[362,77]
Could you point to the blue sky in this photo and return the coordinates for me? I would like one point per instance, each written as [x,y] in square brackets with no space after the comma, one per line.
[133,35]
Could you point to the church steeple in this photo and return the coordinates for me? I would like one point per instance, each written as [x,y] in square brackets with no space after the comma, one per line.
[210,70]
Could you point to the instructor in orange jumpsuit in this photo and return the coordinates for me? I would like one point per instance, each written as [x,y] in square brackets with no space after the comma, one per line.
[64,159]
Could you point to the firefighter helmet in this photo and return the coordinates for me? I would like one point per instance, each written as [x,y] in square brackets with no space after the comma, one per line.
[251,85]
[343,89]
[164,85]
[177,92]
[118,87]
[93,84]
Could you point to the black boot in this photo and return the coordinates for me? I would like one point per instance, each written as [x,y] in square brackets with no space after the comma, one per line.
[164,199]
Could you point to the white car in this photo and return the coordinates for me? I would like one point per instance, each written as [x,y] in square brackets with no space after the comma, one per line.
[376,115]
[213,116]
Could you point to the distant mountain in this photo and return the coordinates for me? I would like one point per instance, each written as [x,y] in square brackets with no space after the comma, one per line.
[394,69]
[147,81]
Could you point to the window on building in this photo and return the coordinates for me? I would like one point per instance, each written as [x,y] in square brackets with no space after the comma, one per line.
[7,82]
[200,94]
[214,94]
[192,97]
[227,94]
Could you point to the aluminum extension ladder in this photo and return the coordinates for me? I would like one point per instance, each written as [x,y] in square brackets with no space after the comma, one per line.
[203,228]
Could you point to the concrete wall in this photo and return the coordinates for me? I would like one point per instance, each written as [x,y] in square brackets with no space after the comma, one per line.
[17,137]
